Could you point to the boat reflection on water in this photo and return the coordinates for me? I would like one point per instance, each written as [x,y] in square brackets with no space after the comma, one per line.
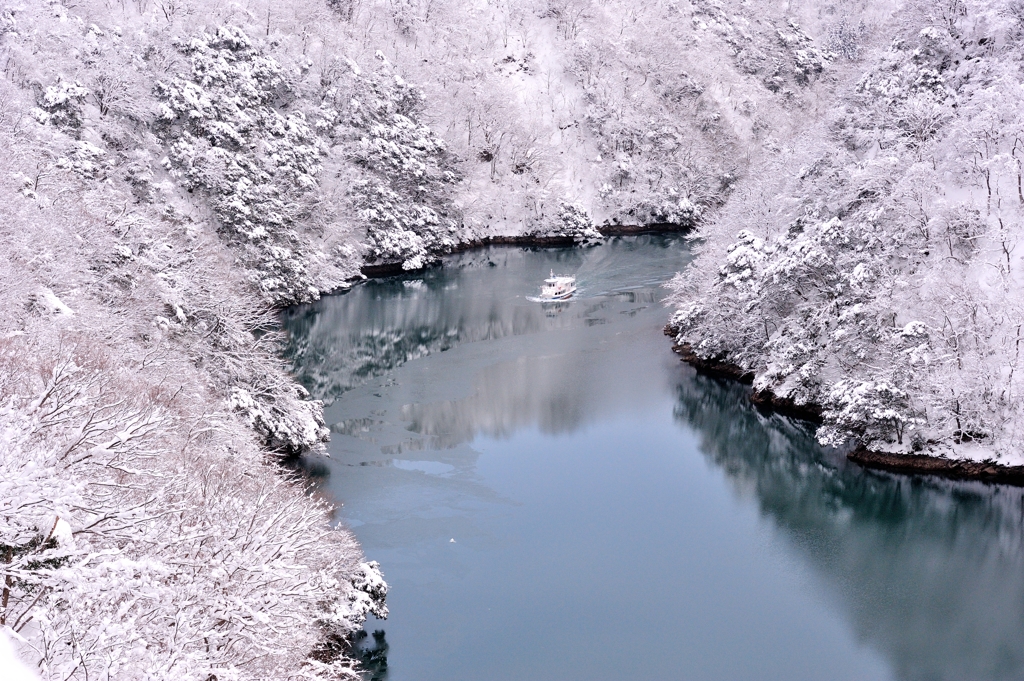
[930,572]
[555,307]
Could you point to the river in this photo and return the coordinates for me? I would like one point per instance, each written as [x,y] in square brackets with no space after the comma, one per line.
[553,495]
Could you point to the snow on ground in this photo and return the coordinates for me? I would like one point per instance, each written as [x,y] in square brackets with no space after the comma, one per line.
[175,171]
[11,666]
[873,266]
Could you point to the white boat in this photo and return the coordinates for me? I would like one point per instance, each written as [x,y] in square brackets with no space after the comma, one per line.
[557,288]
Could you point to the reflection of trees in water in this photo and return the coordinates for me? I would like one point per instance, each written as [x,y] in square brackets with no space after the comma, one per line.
[331,365]
[373,660]
[555,392]
[930,572]
[344,341]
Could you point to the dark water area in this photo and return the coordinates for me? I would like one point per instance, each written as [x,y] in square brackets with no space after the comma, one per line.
[553,495]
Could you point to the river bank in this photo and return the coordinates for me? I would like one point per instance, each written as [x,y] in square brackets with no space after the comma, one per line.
[906,464]
[389,269]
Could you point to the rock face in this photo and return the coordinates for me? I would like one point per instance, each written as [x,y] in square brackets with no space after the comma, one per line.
[786,405]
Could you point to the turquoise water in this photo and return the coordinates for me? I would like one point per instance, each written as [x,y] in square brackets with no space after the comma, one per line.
[553,495]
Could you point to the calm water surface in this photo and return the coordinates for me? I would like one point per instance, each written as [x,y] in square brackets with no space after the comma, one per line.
[553,495]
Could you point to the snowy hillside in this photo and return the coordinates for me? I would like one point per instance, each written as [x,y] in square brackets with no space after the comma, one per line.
[158,198]
[174,171]
[639,113]
[873,266]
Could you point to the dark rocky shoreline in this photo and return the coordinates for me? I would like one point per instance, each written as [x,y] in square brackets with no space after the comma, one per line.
[923,464]
[711,367]
[906,464]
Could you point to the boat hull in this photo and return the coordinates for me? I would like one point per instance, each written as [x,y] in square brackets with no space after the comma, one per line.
[560,296]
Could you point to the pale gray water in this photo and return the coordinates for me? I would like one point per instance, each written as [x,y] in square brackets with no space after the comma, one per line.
[616,516]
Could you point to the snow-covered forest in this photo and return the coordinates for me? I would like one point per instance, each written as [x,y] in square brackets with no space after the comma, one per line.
[872,267]
[174,171]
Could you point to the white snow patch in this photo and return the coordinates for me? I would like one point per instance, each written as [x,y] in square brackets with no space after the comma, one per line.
[54,305]
[10,665]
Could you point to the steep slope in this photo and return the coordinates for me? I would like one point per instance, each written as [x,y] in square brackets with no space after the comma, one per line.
[872,269]
[174,171]
[145,528]
[637,113]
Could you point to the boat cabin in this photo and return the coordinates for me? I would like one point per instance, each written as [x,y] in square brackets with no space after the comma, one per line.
[558,288]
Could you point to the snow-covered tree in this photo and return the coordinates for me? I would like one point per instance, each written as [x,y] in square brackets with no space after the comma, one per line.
[866,411]
[879,281]
[229,136]
[405,197]
[573,222]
